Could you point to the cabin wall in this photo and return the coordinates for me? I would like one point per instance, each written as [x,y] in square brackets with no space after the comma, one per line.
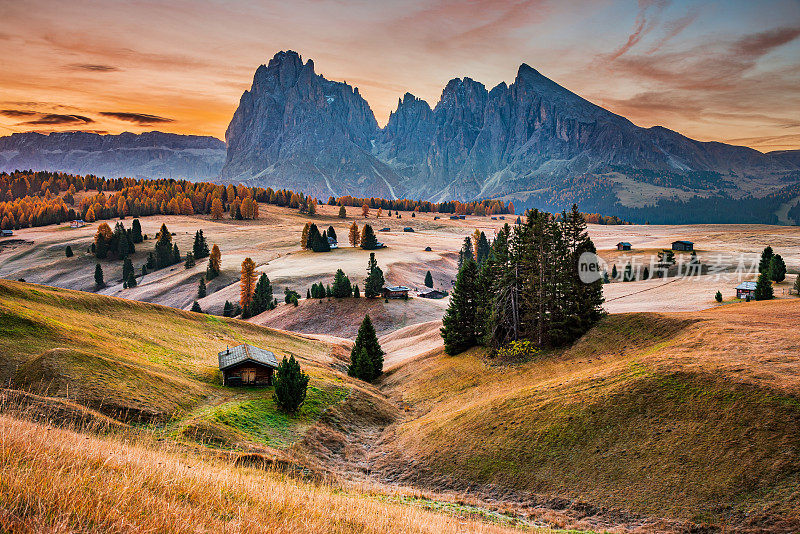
[248,375]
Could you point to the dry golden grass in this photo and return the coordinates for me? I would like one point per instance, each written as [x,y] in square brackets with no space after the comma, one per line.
[690,416]
[60,481]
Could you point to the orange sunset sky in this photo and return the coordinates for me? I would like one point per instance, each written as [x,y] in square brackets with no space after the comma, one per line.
[726,71]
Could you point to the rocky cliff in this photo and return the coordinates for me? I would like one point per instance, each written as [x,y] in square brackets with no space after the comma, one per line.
[298,130]
[146,155]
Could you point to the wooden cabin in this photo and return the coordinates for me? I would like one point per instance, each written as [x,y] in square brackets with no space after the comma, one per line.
[408,229]
[6,233]
[77,223]
[246,365]
[682,245]
[746,289]
[623,245]
[395,292]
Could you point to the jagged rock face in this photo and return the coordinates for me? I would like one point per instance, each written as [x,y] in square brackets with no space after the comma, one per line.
[296,129]
[146,155]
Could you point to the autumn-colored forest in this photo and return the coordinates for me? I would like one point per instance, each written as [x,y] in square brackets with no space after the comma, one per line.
[41,198]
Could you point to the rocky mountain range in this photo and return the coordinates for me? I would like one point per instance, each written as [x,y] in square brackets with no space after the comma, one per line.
[296,129]
[146,155]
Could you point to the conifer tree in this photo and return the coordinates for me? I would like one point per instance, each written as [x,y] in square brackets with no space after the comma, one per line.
[357,293]
[262,296]
[763,288]
[189,263]
[127,269]
[164,251]
[201,288]
[355,235]
[98,276]
[217,209]
[176,255]
[131,280]
[718,296]
[342,212]
[341,285]
[248,282]
[308,294]
[291,384]
[368,239]
[68,252]
[304,236]
[614,272]
[227,309]
[214,263]
[366,357]
[428,279]
[777,268]
[766,259]
[136,231]
[196,307]
[460,330]
[797,285]
[332,233]
[481,248]
[200,247]
[465,252]
[373,285]
[102,241]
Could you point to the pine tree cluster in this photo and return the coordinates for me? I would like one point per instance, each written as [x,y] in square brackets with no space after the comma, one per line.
[527,288]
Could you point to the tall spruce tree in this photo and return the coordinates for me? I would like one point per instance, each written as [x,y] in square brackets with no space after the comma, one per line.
[777,268]
[763,287]
[136,231]
[262,296]
[98,276]
[127,269]
[200,246]
[465,252]
[766,260]
[428,279]
[368,239]
[341,285]
[189,263]
[370,367]
[460,330]
[201,288]
[163,249]
[373,285]
[481,249]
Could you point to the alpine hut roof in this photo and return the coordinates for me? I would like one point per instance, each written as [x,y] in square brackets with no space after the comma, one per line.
[236,355]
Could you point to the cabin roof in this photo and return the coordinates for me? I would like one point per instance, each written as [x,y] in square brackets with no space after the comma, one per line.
[747,285]
[624,244]
[396,288]
[684,242]
[236,355]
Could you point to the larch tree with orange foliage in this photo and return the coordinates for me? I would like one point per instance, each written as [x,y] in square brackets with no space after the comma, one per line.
[248,283]
[355,235]
[214,263]
[365,210]
[216,209]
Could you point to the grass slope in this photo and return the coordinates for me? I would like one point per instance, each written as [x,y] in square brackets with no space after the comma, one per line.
[145,363]
[680,416]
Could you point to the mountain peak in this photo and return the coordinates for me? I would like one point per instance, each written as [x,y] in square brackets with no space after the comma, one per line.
[285,56]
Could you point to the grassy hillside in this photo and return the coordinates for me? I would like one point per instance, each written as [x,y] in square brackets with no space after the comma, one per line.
[687,416]
[143,363]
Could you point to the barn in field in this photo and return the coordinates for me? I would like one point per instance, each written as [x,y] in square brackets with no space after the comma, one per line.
[246,365]
[682,245]
[623,245]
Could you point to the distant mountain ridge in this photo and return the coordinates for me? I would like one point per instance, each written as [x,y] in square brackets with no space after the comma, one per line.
[146,155]
[528,140]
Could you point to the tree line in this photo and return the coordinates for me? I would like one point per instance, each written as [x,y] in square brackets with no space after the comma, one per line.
[527,288]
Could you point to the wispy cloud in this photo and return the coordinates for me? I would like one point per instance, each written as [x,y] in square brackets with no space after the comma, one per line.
[18,113]
[94,67]
[142,119]
[55,119]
